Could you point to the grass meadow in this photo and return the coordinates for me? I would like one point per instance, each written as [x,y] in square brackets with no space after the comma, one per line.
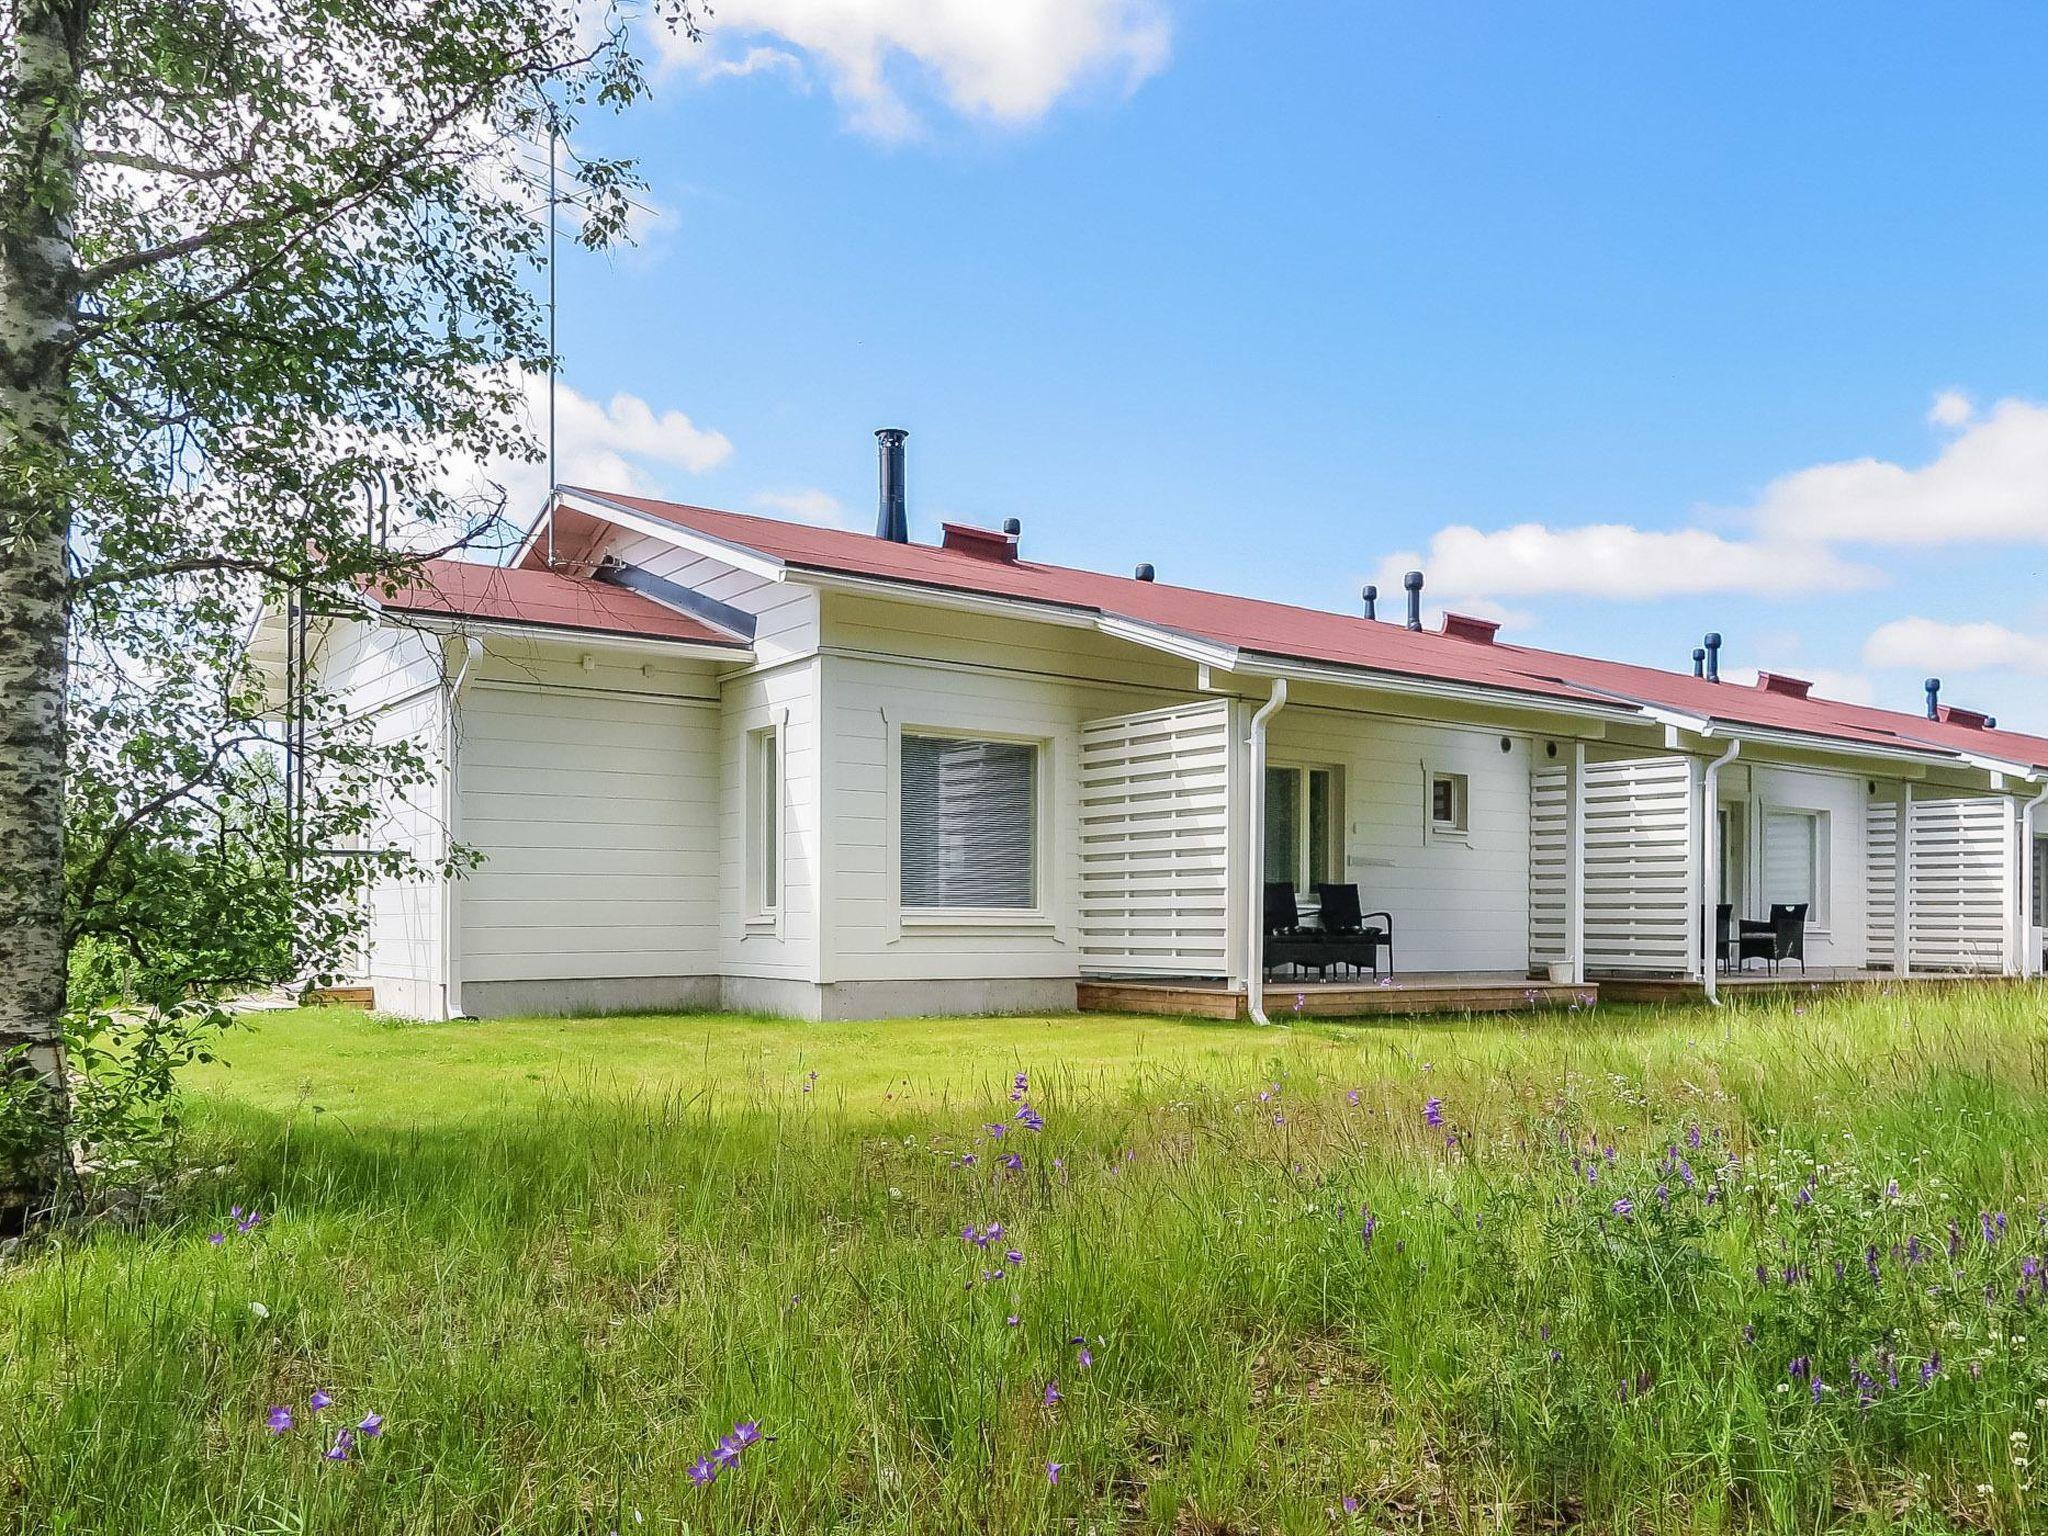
[1769,1269]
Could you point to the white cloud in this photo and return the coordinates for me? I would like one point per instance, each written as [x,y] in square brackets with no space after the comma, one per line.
[1989,482]
[1951,408]
[806,506]
[1614,560]
[756,61]
[1928,645]
[621,445]
[1003,61]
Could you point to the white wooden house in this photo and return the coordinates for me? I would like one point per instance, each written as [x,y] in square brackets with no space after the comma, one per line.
[708,760]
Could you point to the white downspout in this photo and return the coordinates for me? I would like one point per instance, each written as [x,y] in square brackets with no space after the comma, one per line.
[1255,860]
[451,982]
[1710,869]
[2030,952]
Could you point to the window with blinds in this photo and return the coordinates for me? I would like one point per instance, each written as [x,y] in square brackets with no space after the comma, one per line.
[1792,861]
[969,824]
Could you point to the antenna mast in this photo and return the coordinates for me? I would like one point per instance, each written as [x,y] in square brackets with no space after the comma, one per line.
[552,366]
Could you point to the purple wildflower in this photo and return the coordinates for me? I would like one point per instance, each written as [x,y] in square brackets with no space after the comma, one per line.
[1692,1137]
[248,1223]
[1930,1368]
[1366,1228]
[320,1400]
[727,1452]
[1012,1320]
[1433,1112]
[1013,1256]
[279,1419]
[1624,1208]
[343,1439]
[1012,1161]
[996,1130]
[1020,1085]
[1051,1395]
[1082,1357]
[216,1238]
[1052,1472]
[701,1471]
[1816,1389]
[372,1425]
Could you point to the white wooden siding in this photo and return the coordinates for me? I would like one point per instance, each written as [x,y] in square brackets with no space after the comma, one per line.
[785,946]
[1549,853]
[1459,903]
[596,816]
[1155,842]
[393,675]
[1642,853]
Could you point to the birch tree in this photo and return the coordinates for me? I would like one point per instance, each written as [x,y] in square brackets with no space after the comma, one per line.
[266,268]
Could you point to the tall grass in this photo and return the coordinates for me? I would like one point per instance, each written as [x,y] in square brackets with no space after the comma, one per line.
[1650,1273]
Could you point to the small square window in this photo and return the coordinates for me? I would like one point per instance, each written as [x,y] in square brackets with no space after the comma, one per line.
[1448,803]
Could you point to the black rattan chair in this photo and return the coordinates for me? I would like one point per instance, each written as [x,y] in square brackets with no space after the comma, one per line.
[1776,941]
[1359,936]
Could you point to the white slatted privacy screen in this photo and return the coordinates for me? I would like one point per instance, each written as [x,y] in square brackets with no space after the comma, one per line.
[1961,861]
[1642,853]
[1155,835]
[1549,834]
[970,824]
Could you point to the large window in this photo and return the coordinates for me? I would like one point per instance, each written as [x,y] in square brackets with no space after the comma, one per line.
[764,816]
[969,822]
[1301,826]
[1794,861]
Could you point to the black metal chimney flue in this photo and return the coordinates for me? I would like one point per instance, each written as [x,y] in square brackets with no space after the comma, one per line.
[1713,658]
[1413,582]
[891,521]
[1699,661]
[1144,572]
[1934,698]
[1372,602]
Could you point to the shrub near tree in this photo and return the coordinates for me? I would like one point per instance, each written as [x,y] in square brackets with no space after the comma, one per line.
[265,271]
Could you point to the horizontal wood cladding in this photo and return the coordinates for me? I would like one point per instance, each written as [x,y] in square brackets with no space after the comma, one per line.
[596,816]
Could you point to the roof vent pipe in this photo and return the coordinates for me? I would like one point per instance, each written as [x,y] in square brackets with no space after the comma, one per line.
[891,522]
[1713,658]
[1413,582]
[1934,698]
[1372,602]
[1143,572]
[1699,661]
[1013,528]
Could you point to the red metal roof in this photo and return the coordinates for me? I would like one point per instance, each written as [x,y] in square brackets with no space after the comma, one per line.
[548,599]
[1310,634]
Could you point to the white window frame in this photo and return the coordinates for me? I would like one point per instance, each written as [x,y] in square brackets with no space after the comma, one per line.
[766,833]
[1459,828]
[1304,891]
[1036,916]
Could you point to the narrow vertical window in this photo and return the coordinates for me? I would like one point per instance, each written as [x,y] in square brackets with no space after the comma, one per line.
[764,816]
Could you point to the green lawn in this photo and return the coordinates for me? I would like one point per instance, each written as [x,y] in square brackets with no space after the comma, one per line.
[562,1258]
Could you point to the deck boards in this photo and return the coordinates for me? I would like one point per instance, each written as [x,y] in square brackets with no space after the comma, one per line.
[1484,992]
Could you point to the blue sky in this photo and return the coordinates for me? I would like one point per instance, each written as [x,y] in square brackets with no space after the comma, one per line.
[1628,321]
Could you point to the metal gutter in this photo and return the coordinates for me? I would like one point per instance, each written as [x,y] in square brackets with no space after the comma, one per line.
[1710,866]
[1255,859]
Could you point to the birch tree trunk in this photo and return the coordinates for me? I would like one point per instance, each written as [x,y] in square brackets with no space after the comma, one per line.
[40,168]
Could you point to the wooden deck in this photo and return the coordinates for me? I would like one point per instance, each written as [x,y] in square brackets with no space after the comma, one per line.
[1761,984]
[1424,992]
